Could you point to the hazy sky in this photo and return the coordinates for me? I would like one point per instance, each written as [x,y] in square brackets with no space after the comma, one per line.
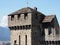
[47,7]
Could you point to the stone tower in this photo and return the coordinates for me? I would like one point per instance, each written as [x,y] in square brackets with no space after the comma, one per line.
[25,25]
[28,27]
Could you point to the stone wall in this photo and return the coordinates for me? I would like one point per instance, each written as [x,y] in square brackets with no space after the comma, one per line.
[14,21]
[20,26]
[22,33]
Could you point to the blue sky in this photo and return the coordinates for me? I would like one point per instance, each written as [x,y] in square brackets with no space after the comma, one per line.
[47,7]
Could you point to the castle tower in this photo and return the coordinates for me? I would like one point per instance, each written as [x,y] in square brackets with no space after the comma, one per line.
[30,27]
[24,25]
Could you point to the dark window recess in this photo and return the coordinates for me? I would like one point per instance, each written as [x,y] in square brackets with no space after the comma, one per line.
[23,27]
[25,15]
[29,26]
[10,28]
[26,27]
[15,42]
[18,16]
[15,27]
[12,17]
[20,27]
[49,31]
[52,42]
[25,39]
[19,39]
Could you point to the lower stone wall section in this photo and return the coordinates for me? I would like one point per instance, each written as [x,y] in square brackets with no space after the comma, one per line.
[21,37]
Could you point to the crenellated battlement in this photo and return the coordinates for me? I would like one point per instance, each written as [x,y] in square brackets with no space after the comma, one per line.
[20,19]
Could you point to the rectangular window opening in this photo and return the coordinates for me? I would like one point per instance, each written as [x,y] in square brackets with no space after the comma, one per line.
[18,16]
[25,15]
[49,31]
[25,39]
[12,17]
[19,39]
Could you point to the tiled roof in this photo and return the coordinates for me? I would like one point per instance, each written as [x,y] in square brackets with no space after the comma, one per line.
[48,18]
[24,10]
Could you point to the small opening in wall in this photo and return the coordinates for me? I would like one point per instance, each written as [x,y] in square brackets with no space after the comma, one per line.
[12,17]
[20,27]
[23,27]
[25,15]
[15,42]
[18,16]
[49,31]
[19,39]
[17,27]
[25,39]
[12,28]
[26,27]
[29,26]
